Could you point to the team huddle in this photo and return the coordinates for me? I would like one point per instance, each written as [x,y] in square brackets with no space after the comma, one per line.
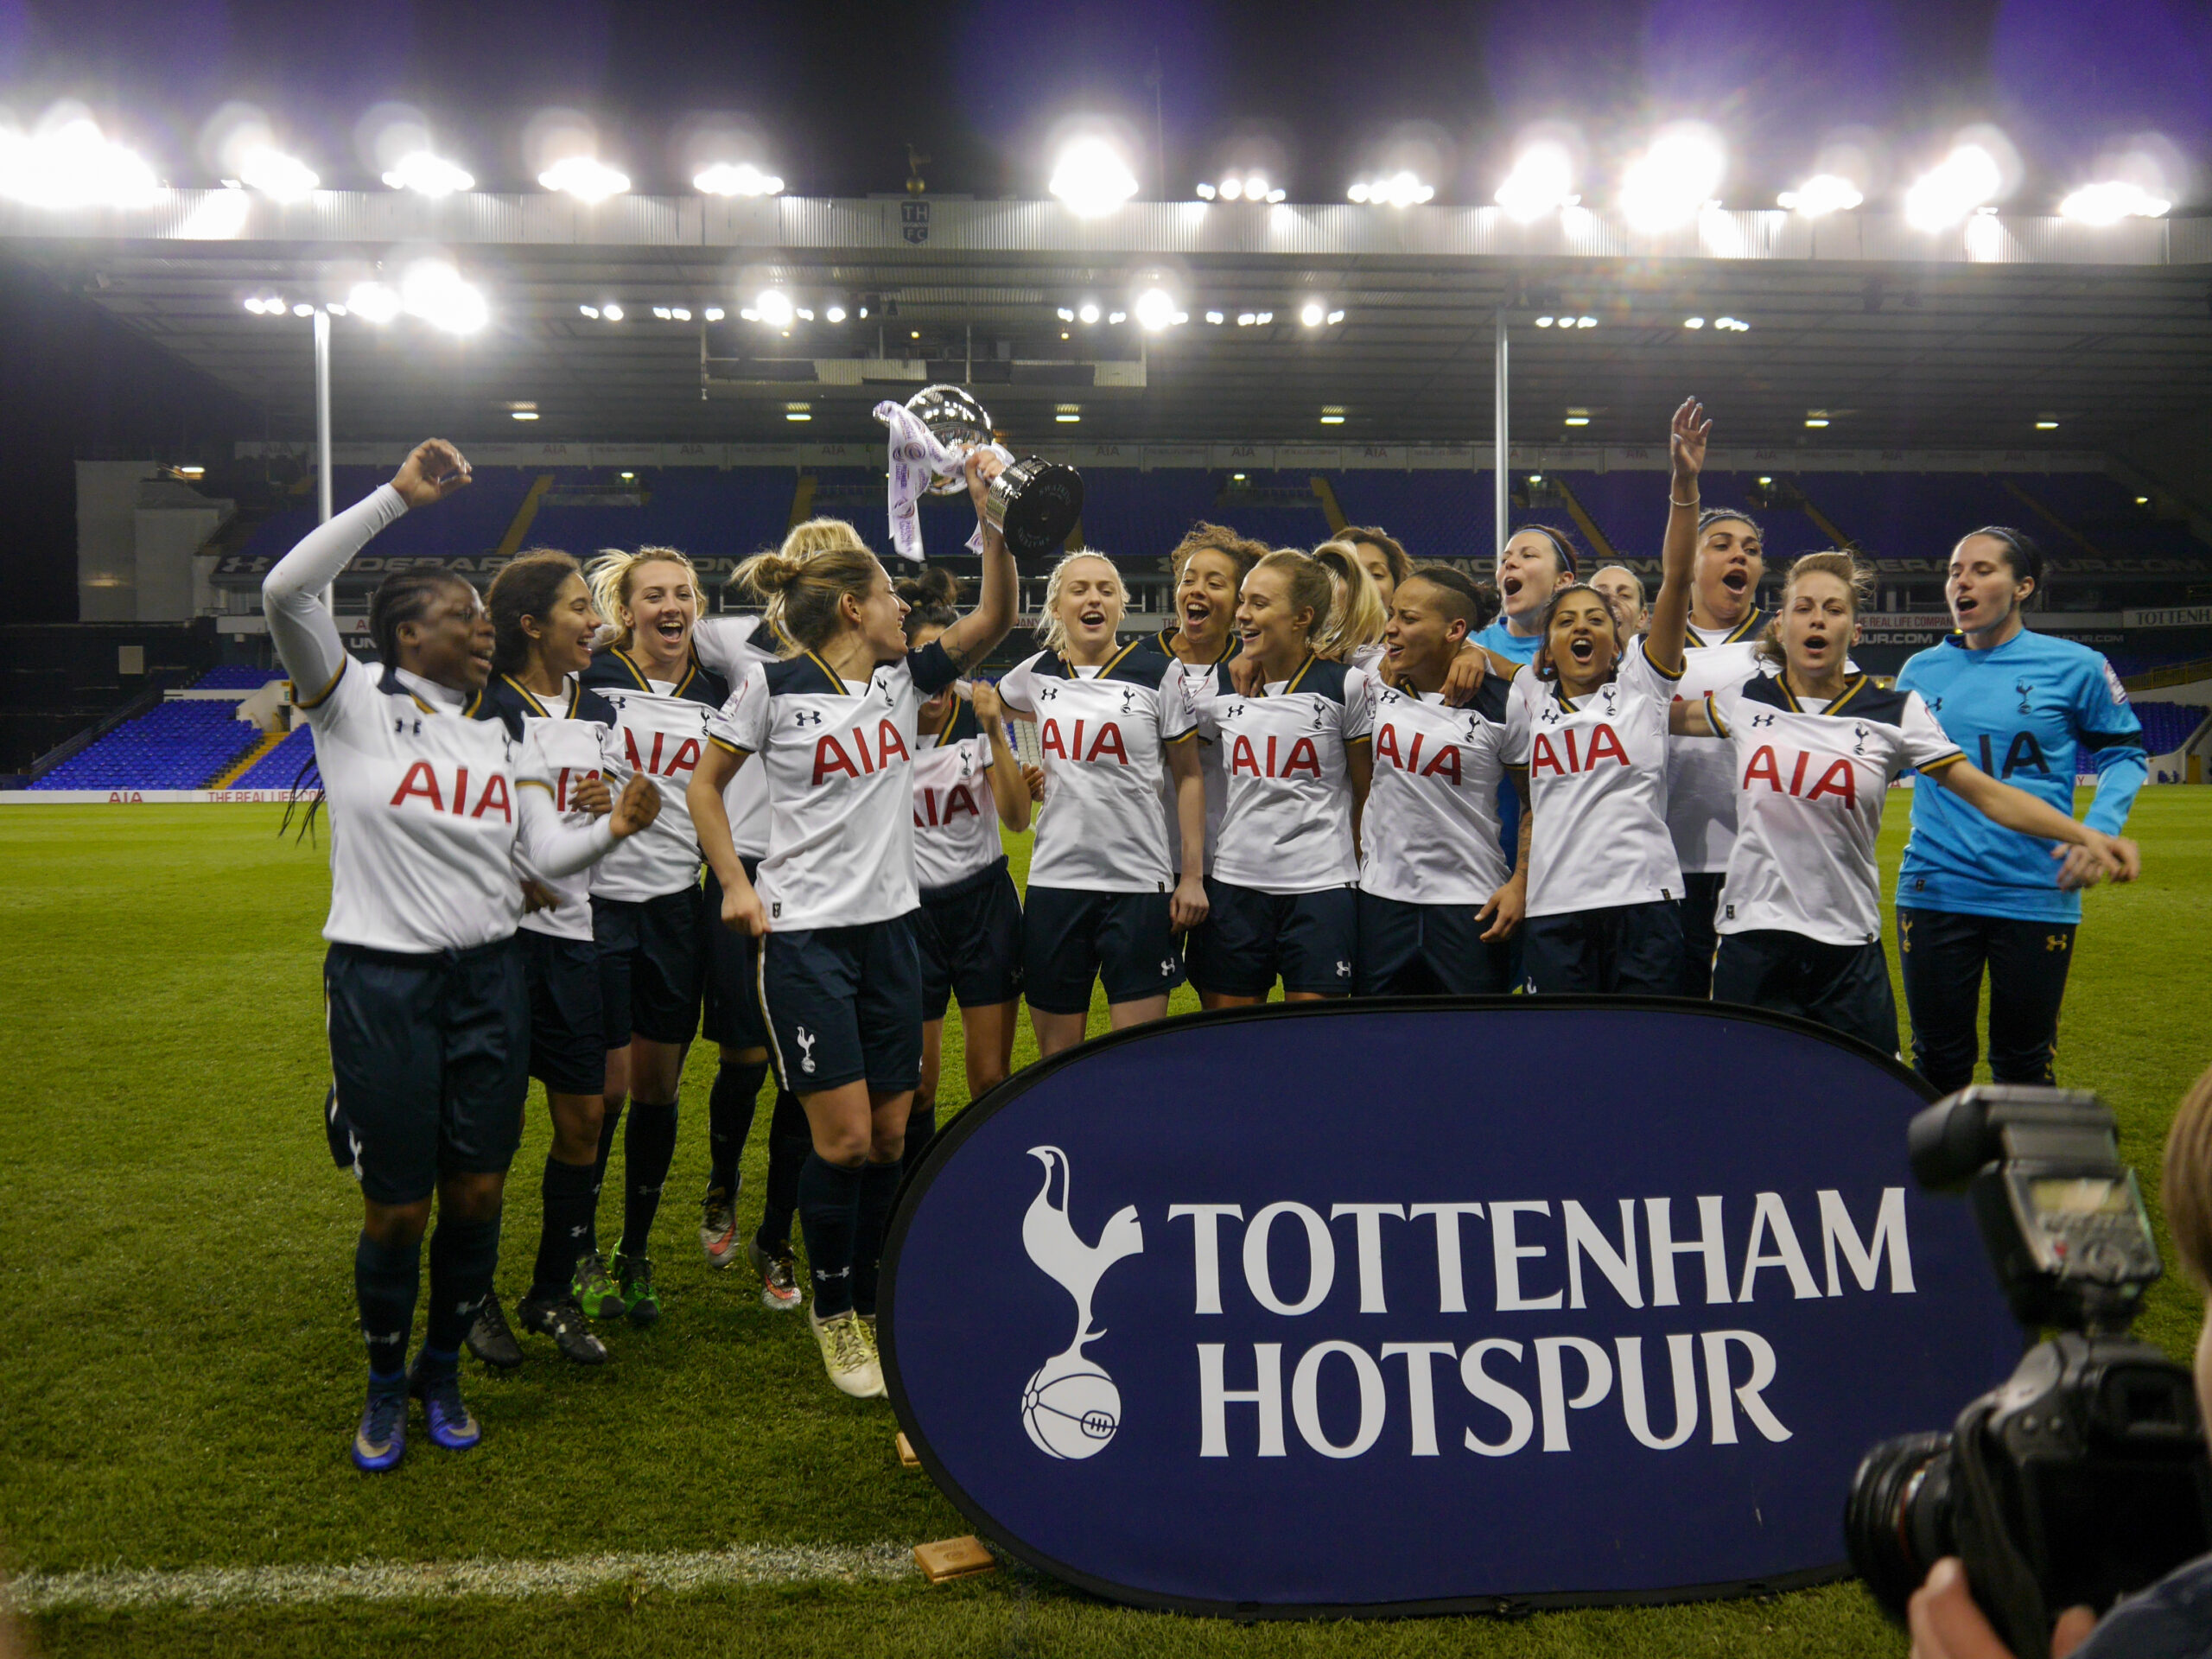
[1333,770]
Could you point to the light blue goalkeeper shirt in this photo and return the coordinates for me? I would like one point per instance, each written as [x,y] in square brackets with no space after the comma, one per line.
[2024,712]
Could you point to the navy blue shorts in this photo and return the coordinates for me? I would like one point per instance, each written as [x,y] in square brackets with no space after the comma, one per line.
[654,954]
[430,1055]
[732,1000]
[844,1005]
[1126,941]
[1312,939]
[568,1018]
[1843,987]
[1616,948]
[1410,949]
[969,937]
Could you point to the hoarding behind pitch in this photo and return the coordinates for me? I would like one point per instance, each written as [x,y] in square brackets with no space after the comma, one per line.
[1411,1306]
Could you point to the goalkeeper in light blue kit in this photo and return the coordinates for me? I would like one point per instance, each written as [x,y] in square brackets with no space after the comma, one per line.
[2025,708]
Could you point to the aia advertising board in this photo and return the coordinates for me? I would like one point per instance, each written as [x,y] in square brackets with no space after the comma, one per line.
[1415,1306]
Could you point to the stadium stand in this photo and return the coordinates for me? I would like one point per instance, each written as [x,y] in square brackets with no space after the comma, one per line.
[178,744]
[280,767]
[2167,726]
[236,677]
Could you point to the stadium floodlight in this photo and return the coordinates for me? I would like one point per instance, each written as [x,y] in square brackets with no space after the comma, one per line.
[774,307]
[279,176]
[715,313]
[2046,426]
[805,315]
[1678,173]
[426,174]
[1117,317]
[736,179]
[1733,325]
[1400,189]
[1584,322]
[799,412]
[1066,314]
[1693,322]
[1246,319]
[1091,178]
[587,178]
[1155,310]
[662,312]
[1546,322]
[1206,192]
[1953,188]
[591,311]
[612,312]
[1311,313]
[304,309]
[1541,181]
[1578,417]
[681,314]
[2111,200]
[1821,194]
[1263,317]
[1232,189]
[436,292]
[834,313]
[1068,414]
[73,164]
[1087,312]
[1215,317]
[1334,318]
[1816,417]
[1332,416]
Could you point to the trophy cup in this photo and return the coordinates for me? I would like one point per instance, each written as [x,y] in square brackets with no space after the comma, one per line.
[1033,504]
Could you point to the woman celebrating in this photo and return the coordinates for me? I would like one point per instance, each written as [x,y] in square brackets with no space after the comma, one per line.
[1724,643]
[1534,564]
[1972,894]
[1357,613]
[1436,902]
[646,910]
[543,621]
[1588,745]
[1105,904]
[1209,565]
[1813,748]
[1380,556]
[427,994]
[835,729]
[967,782]
[1283,892]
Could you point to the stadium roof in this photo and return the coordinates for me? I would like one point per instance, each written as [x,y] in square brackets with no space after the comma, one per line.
[1903,339]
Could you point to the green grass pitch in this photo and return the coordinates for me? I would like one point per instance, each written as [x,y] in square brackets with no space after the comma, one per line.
[183,1367]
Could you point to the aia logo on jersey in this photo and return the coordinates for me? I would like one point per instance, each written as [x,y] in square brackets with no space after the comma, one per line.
[566,784]
[1105,743]
[1604,748]
[663,761]
[1841,779]
[1442,760]
[959,800]
[1301,756]
[830,758]
[423,784]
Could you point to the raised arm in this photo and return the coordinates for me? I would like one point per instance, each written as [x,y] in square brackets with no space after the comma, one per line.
[976,634]
[304,632]
[1670,611]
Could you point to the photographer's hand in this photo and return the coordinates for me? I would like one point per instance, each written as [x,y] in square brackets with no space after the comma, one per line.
[1946,1624]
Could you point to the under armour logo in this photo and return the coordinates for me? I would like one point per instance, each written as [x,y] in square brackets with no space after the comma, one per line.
[1047,693]
[1550,716]
[400,726]
[805,1040]
[1761,719]
[1935,705]
[2056,941]
[1344,968]
[807,717]
[1167,967]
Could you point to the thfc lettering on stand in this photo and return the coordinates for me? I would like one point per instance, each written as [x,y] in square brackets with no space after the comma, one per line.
[1602,1304]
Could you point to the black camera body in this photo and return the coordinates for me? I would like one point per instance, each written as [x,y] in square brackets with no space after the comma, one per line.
[2083,1476]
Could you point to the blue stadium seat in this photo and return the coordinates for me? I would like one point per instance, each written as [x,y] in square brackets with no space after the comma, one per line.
[179,745]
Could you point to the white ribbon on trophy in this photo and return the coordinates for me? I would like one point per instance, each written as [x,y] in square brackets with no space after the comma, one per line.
[918,460]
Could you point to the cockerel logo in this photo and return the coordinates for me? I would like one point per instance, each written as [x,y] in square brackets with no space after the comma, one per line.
[1071,1406]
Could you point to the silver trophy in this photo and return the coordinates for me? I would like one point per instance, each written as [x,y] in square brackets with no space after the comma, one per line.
[1034,502]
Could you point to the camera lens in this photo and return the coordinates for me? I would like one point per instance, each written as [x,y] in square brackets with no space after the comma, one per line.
[1896,1522]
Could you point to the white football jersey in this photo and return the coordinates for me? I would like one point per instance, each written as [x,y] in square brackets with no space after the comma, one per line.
[1430,833]
[1214,775]
[1596,770]
[731,645]
[1700,781]
[1286,824]
[840,765]
[1810,781]
[1104,734]
[428,813]
[956,817]
[563,742]
[660,730]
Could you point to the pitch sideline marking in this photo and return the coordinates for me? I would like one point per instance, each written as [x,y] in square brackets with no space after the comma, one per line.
[124,1589]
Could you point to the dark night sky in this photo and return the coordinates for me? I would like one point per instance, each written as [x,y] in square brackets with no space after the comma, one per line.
[833,93]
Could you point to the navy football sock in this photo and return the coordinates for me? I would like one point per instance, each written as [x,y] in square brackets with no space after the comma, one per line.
[879,1185]
[463,1255]
[384,1280]
[567,1230]
[610,1121]
[729,1119]
[648,1148]
[791,1143]
[829,1213]
[921,1129]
